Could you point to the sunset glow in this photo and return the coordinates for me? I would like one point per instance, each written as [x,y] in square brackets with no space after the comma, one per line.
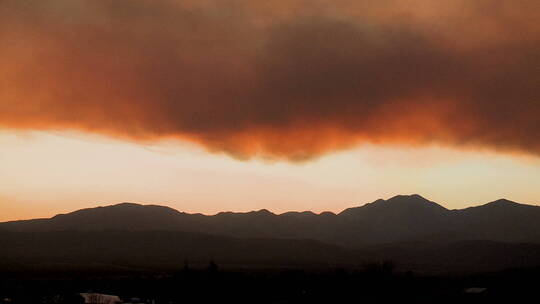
[48,173]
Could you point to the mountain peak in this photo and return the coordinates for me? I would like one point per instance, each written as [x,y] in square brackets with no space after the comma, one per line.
[504,205]
[120,208]
[503,202]
[264,212]
[126,204]
[402,203]
[123,216]
[297,214]
[500,204]
[408,198]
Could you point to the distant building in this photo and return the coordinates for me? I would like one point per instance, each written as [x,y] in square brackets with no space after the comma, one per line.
[98,298]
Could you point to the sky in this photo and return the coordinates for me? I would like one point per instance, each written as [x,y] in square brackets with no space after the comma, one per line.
[239,105]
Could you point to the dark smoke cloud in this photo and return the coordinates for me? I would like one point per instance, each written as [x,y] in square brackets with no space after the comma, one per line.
[279,79]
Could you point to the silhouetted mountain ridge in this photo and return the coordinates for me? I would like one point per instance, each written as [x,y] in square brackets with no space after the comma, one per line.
[399,219]
[402,203]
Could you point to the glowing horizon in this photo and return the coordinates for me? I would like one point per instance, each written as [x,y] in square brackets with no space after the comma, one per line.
[47,173]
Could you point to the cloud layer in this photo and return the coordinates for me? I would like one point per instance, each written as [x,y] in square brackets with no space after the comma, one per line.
[279,79]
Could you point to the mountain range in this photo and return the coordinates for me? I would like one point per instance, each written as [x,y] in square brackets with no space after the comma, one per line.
[408,229]
[401,218]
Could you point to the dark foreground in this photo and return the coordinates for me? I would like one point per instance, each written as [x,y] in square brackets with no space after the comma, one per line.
[375,283]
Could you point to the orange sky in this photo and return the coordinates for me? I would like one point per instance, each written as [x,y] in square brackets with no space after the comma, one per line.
[289,80]
[47,173]
[288,93]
